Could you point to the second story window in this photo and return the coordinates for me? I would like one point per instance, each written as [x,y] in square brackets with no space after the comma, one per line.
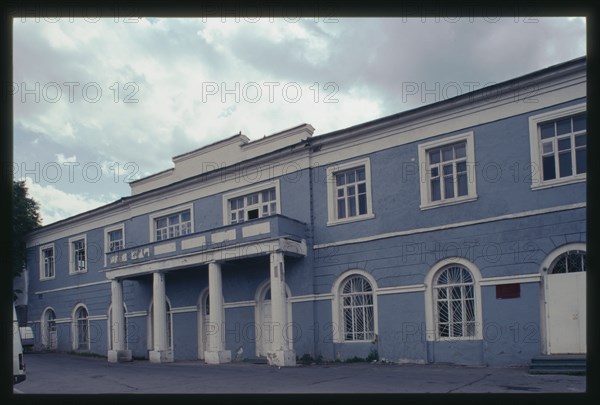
[563,147]
[115,240]
[252,206]
[349,192]
[446,174]
[78,259]
[47,262]
[558,146]
[173,225]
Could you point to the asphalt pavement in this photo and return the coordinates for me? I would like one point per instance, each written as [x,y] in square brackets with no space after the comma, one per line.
[50,373]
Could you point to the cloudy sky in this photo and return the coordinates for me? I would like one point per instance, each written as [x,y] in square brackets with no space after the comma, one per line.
[99,103]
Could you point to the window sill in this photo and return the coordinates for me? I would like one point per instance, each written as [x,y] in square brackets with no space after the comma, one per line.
[351,219]
[47,278]
[458,339]
[73,273]
[445,203]
[558,183]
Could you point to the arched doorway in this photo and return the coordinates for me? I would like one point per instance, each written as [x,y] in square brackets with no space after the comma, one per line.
[203,320]
[564,300]
[169,326]
[264,328]
[49,336]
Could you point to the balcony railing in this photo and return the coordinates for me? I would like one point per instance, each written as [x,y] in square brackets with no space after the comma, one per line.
[276,226]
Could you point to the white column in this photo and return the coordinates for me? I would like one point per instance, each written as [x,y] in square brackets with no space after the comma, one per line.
[281,355]
[161,352]
[118,352]
[216,336]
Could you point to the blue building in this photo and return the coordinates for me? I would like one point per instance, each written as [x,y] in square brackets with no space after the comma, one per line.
[454,232]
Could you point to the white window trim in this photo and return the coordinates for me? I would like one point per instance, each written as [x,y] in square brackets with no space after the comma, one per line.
[431,327]
[107,230]
[337,308]
[42,269]
[75,330]
[537,182]
[179,208]
[332,197]
[250,190]
[426,202]
[45,338]
[72,252]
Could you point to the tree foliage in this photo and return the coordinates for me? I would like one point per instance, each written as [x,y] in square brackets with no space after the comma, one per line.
[25,218]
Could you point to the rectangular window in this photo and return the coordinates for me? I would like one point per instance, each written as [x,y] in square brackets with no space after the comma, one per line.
[78,257]
[47,262]
[446,171]
[115,240]
[349,192]
[558,141]
[173,225]
[252,206]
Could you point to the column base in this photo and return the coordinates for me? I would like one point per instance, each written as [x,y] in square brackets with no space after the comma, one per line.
[161,356]
[218,357]
[281,358]
[119,356]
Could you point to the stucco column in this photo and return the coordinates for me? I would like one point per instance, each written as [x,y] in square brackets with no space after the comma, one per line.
[280,354]
[215,329]
[118,352]
[161,352]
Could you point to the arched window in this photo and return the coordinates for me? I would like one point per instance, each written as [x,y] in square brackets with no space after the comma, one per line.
[81,329]
[454,296]
[169,325]
[358,311]
[111,326]
[49,336]
[572,261]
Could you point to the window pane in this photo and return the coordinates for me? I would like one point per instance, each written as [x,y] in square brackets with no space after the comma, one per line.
[564,144]
[360,174]
[447,153]
[463,188]
[448,187]
[351,177]
[185,216]
[461,166]
[563,126]
[340,179]
[564,163]
[351,190]
[434,156]
[340,192]
[460,150]
[549,171]
[579,123]
[547,147]
[352,207]
[174,219]
[362,188]
[580,140]
[581,157]
[447,169]
[547,130]
[435,172]
[435,190]
[341,208]
[362,204]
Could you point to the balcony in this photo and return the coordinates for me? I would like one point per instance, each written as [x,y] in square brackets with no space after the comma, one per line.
[255,234]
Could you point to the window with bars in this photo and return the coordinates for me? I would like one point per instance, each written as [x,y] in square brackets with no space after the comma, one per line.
[79,257]
[48,262]
[82,329]
[569,262]
[563,144]
[252,206]
[351,193]
[454,295]
[115,240]
[173,225]
[356,297]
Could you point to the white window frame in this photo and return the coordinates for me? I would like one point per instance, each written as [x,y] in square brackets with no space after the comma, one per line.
[430,299]
[107,240]
[152,220]
[43,263]
[338,308]
[537,181]
[72,267]
[332,218]
[424,172]
[75,328]
[250,190]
